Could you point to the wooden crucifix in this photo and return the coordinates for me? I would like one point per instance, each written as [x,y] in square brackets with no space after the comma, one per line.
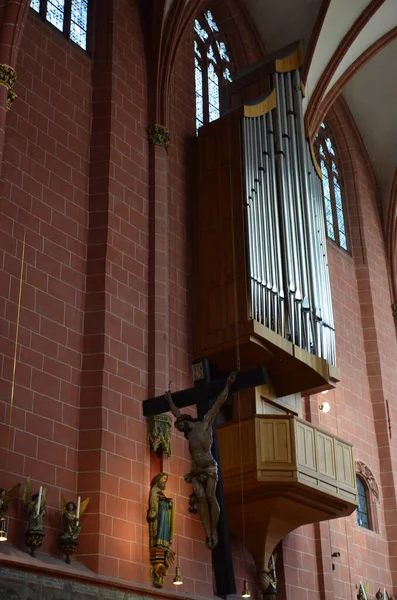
[207,498]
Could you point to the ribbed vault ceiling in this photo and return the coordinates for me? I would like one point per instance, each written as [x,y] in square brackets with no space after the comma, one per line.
[350,33]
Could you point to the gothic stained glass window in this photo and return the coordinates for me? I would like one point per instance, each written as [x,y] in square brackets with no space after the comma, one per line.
[332,187]
[69,16]
[212,66]
[362,509]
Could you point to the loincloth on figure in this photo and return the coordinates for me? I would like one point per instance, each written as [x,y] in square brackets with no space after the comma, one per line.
[203,472]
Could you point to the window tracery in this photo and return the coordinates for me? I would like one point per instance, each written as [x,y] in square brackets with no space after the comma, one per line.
[213,67]
[332,187]
[69,16]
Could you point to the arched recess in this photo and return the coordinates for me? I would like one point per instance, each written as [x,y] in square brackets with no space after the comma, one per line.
[366,475]
[165,28]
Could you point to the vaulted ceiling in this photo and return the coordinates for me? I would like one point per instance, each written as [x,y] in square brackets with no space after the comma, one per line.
[355,54]
[350,49]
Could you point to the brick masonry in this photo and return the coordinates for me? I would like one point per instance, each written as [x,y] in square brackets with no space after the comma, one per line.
[76,176]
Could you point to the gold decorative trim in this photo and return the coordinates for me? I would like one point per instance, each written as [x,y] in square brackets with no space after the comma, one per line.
[7,78]
[394,310]
[159,136]
[159,435]
[291,62]
[261,108]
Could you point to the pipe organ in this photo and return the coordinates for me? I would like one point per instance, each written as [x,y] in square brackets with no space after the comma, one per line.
[263,288]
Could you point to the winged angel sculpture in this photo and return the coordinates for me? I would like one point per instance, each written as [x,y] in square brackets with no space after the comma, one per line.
[71,525]
[35,505]
[6,497]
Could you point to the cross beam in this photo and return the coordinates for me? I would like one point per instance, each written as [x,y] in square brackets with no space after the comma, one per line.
[207,391]
[203,395]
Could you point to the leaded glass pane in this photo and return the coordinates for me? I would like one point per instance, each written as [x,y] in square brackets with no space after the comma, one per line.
[200,31]
[210,20]
[211,54]
[227,75]
[211,67]
[329,145]
[78,23]
[329,218]
[55,11]
[362,509]
[213,93]
[222,51]
[199,95]
[196,49]
[332,192]
[35,4]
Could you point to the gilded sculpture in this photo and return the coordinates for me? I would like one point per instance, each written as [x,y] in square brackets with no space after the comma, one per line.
[160,516]
[72,527]
[204,473]
[35,505]
[159,435]
[6,497]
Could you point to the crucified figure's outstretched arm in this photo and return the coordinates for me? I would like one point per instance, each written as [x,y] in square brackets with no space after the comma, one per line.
[213,411]
[174,409]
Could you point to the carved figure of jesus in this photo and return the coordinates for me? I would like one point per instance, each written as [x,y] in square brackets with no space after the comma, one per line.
[204,473]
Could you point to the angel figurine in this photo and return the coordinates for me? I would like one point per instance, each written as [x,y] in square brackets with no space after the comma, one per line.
[6,497]
[36,509]
[71,525]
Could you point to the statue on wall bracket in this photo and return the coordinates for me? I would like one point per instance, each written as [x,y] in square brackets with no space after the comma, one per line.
[71,514]
[36,508]
[6,497]
[159,435]
[204,473]
[268,579]
[160,516]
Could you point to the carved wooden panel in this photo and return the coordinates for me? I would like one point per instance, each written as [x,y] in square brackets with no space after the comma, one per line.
[306,447]
[325,454]
[344,463]
[274,437]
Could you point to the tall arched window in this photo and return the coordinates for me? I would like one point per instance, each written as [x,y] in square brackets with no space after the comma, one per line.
[332,187]
[362,509]
[213,67]
[69,16]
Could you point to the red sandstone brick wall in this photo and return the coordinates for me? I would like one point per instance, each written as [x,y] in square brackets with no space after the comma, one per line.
[45,191]
[92,375]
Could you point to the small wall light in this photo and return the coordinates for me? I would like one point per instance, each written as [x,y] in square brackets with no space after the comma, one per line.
[3,529]
[178,578]
[246,593]
[325,407]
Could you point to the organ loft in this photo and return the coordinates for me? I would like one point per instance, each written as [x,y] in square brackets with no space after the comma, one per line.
[198,308]
[263,297]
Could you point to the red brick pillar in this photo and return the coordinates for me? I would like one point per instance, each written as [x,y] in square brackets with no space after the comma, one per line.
[158,261]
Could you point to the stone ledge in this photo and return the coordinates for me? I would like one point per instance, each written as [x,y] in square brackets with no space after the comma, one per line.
[46,577]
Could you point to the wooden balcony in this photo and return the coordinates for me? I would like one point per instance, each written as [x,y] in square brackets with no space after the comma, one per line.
[286,473]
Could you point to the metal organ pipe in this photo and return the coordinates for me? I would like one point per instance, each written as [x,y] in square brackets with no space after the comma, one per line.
[287,258]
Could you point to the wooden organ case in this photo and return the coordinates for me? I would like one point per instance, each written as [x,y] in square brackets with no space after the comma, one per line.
[263,297]
[260,251]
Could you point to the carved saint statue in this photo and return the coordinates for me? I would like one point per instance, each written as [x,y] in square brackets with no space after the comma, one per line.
[71,518]
[36,509]
[204,473]
[6,497]
[160,516]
